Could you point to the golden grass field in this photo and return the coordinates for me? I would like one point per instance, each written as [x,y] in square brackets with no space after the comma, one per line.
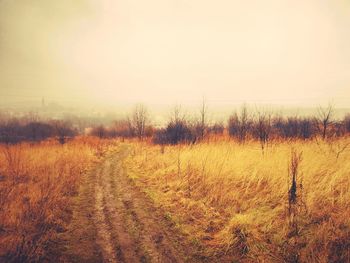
[38,184]
[230,198]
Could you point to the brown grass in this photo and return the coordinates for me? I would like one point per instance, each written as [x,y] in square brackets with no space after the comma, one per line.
[236,202]
[290,204]
[37,185]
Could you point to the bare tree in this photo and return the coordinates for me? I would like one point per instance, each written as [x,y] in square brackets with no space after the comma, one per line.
[243,123]
[263,127]
[239,124]
[139,120]
[324,119]
[202,126]
[177,115]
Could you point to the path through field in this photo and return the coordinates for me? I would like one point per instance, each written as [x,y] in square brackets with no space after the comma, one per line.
[124,225]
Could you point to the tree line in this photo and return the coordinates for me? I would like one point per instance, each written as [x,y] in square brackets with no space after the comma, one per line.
[245,124]
[18,130]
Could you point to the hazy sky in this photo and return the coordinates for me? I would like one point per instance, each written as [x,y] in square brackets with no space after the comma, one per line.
[293,52]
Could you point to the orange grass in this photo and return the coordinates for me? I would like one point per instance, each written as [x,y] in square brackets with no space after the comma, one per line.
[232,200]
[37,186]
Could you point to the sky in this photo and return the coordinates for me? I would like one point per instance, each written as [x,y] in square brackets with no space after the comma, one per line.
[165,52]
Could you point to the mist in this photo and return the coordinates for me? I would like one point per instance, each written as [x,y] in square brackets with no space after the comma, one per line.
[108,53]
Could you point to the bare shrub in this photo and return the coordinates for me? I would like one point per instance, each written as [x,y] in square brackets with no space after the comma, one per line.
[240,124]
[178,130]
[346,122]
[63,131]
[324,120]
[306,128]
[263,128]
[174,133]
[123,128]
[139,120]
[202,125]
[99,131]
[15,131]
[295,160]
[216,128]
[293,128]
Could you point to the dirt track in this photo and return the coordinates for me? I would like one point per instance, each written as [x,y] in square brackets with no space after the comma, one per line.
[127,227]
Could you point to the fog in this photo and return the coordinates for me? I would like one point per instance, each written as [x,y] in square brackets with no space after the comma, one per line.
[163,52]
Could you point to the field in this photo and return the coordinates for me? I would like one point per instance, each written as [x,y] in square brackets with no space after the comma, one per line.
[234,201]
[174,131]
[38,183]
[215,201]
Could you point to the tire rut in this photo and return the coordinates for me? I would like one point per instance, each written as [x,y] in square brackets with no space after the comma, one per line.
[104,239]
[129,227]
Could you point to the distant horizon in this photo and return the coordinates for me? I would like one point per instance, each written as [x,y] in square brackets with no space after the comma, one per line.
[32,101]
[160,113]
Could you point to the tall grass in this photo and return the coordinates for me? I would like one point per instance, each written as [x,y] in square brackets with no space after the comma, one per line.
[37,186]
[232,200]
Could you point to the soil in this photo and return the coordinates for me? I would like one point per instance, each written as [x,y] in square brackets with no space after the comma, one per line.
[116,222]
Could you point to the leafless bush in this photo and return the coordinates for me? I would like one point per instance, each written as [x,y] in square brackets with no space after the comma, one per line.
[178,130]
[99,131]
[346,123]
[63,131]
[15,131]
[123,128]
[202,125]
[295,183]
[306,128]
[293,127]
[139,120]
[324,120]
[217,128]
[240,124]
[266,127]
[263,128]
[295,207]
[174,133]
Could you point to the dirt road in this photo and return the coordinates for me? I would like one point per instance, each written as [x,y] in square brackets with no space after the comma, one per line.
[123,224]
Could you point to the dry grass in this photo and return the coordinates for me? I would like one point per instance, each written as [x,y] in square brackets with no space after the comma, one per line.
[37,186]
[235,202]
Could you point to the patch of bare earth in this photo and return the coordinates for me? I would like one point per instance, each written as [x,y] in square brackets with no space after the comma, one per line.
[128,227]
